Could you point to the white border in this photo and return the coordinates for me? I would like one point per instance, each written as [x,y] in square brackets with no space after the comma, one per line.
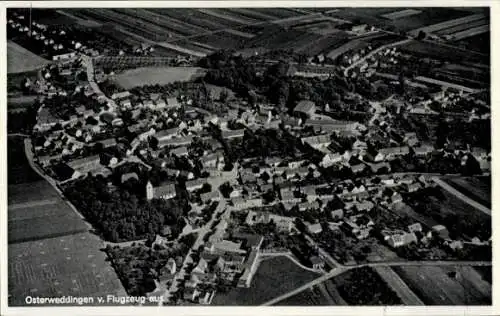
[344,310]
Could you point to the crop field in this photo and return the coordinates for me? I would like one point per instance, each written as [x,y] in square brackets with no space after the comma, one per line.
[478,43]
[451,22]
[400,14]
[451,54]
[19,170]
[20,59]
[45,225]
[309,297]
[462,27]
[157,75]
[51,17]
[435,287]
[273,278]
[297,40]
[323,294]
[397,284]
[426,17]
[32,191]
[471,32]
[477,189]
[220,40]
[69,265]
[351,45]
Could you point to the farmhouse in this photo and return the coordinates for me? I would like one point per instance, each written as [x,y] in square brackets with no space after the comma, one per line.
[120,95]
[317,142]
[127,176]
[399,240]
[195,184]
[84,165]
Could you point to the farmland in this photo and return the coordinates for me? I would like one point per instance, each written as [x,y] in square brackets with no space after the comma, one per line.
[374,16]
[325,293]
[273,278]
[434,286]
[442,52]
[19,171]
[151,76]
[69,265]
[20,59]
[475,188]
[451,23]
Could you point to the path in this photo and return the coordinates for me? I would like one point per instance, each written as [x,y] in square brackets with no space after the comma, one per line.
[461,196]
[289,256]
[87,62]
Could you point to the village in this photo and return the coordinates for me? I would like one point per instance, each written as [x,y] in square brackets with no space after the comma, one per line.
[251,181]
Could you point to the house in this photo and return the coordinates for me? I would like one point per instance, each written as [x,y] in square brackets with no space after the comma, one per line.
[210,196]
[305,107]
[416,227]
[166,134]
[201,267]
[179,151]
[173,103]
[250,267]
[127,176]
[337,214]
[240,203]
[317,263]
[399,240]
[165,192]
[84,165]
[232,134]
[314,228]
[120,95]
[226,246]
[396,198]
[441,231]
[331,159]
[332,125]
[423,150]
[176,141]
[196,184]
[110,142]
[391,152]
[283,223]
[413,187]
[358,168]
[317,142]
[364,206]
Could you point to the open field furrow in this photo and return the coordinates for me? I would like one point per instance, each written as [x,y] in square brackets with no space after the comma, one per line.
[471,32]
[225,16]
[450,23]
[462,27]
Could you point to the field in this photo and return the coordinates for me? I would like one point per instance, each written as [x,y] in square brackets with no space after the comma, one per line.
[400,14]
[19,170]
[450,22]
[435,287]
[273,278]
[477,189]
[151,76]
[448,53]
[20,59]
[69,265]
[428,16]
[396,283]
[478,43]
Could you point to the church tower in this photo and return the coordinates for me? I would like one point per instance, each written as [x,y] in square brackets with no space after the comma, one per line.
[149,191]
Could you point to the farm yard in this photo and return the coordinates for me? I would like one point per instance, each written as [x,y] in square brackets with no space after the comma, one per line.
[69,265]
[434,286]
[151,76]
[20,59]
[273,278]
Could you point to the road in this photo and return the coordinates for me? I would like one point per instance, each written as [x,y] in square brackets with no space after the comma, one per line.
[461,196]
[87,61]
[198,242]
[362,59]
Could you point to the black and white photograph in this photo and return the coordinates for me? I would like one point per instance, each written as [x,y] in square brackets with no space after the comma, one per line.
[248,156]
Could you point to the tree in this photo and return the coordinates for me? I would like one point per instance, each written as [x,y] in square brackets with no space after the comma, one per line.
[421,35]
[226,189]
